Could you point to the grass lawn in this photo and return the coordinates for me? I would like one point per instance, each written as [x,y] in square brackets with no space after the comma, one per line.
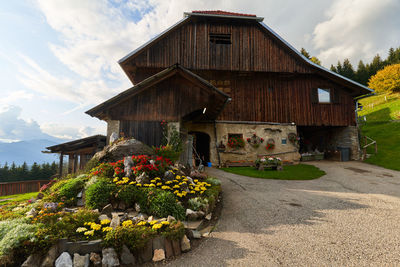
[17,198]
[290,172]
[387,135]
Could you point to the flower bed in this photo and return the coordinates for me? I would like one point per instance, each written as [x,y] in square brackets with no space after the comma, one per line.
[125,204]
[263,163]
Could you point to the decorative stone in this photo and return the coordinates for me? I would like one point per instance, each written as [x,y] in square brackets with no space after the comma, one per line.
[146,253]
[169,251]
[51,256]
[185,244]
[206,231]
[159,255]
[104,217]
[32,261]
[113,137]
[121,205]
[107,210]
[64,260]
[193,225]
[70,210]
[128,163]
[124,217]
[50,205]
[115,221]
[142,216]
[110,258]
[95,259]
[171,218]
[208,217]
[194,215]
[127,257]
[196,234]
[143,178]
[137,207]
[81,261]
[132,214]
[168,176]
[176,246]
[32,213]
[80,202]
[151,218]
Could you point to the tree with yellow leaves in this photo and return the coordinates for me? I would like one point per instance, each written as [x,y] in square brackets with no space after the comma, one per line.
[386,80]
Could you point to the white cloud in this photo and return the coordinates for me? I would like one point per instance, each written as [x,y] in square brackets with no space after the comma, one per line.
[357,29]
[69,132]
[15,96]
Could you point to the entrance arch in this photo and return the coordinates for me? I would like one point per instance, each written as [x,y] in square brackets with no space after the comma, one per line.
[201,145]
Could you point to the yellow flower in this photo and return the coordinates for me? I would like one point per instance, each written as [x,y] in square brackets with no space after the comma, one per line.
[127,223]
[81,229]
[165,187]
[105,221]
[95,226]
[159,184]
[179,195]
[115,179]
[178,177]
[139,185]
[107,229]
[153,222]
[142,223]
[175,186]
[153,181]
[203,188]
[197,189]
[125,178]
[168,182]
[157,226]
[147,185]
[192,192]
[132,182]
[195,180]
[157,178]
[152,185]
[165,222]
[91,232]
[176,192]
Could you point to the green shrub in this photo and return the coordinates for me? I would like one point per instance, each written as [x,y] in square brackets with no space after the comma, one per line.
[99,194]
[130,194]
[164,203]
[197,203]
[213,181]
[174,231]
[13,235]
[92,163]
[69,190]
[134,237]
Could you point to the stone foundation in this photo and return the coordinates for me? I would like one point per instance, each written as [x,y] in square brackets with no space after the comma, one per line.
[112,126]
[278,132]
[348,137]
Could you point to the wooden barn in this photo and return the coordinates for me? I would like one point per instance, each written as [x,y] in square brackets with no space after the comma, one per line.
[219,76]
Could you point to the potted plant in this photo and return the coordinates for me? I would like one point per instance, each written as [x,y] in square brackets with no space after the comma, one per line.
[255,141]
[221,147]
[270,144]
[236,142]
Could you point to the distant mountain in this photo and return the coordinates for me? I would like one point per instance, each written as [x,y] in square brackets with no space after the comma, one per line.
[29,151]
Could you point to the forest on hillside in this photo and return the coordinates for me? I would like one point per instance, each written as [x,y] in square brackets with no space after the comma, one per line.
[364,71]
[25,173]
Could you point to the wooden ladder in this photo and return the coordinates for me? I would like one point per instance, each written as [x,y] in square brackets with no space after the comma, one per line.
[373,142]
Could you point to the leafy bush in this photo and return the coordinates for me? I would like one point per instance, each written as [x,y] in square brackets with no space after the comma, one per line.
[168,152]
[13,235]
[130,194]
[197,203]
[164,203]
[69,190]
[174,231]
[99,194]
[134,237]
[213,181]
[92,163]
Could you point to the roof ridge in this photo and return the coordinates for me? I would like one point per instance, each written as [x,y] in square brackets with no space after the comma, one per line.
[222,12]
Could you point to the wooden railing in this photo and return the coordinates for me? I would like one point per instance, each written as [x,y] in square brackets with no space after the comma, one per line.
[366,144]
[21,187]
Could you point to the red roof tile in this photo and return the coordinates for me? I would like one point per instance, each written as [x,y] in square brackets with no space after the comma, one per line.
[220,12]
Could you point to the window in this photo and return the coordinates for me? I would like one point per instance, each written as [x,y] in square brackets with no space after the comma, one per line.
[220,38]
[284,141]
[324,95]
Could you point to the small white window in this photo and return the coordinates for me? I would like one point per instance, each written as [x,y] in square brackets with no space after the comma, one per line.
[324,95]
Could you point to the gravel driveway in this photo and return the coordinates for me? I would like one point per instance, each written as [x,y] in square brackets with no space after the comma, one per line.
[351,216]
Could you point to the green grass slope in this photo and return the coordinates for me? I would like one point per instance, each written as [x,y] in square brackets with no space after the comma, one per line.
[383,125]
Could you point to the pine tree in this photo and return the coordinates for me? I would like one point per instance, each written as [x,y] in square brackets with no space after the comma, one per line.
[35,172]
[361,75]
[347,69]
[333,68]
[305,53]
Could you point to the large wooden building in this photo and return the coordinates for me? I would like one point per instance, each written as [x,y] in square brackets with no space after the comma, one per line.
[220,75]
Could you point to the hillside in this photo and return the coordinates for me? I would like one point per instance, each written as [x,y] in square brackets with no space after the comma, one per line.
[383,125]
[28,151]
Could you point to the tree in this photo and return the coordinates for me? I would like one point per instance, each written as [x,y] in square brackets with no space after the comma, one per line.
[386,80]
[333,68]
[305,53]
[315,60]
[35,172]
[347,69]
[362,75]
[376,65]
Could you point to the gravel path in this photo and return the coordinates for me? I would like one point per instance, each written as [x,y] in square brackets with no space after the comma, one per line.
[351,216]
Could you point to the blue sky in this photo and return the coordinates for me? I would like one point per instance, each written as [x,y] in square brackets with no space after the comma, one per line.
[59,58]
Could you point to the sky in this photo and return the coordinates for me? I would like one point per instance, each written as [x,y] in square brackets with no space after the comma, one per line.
[59,58]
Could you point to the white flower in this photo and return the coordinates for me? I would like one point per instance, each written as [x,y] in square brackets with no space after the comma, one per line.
[270,158]
[263,160]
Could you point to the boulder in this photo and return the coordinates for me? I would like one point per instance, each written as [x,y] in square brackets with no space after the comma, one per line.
[64,260]
[168,176]
[115,221]
[122,149]
[104,217]
[194,215]
[95,258]
[51,256]
[107,210]
[32,213]
[128,163]
[127,257]
[32,261]
[137,207]
[171,218]
[110,258]
[113,137]
[185,244]
[159,255]
[143,178]
[81,261]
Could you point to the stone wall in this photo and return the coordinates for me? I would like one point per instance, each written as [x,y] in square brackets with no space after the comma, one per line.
[266,131]
[112,126]
[348,137]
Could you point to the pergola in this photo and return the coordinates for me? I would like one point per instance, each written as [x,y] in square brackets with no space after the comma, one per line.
[79,151]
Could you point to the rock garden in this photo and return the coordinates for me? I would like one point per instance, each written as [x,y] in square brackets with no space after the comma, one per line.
[124,210]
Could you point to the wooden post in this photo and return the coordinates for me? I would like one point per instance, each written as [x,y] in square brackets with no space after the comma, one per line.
[60,167]
[75,162]
[70,163]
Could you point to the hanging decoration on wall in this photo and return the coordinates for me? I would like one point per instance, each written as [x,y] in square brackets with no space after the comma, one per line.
[270,144]
[236,142]
[255,140]
[293,138]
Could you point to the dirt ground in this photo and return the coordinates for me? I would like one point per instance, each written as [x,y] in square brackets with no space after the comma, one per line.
[349,217]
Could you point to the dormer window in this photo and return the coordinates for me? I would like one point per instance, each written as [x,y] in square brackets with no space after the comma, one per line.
[220,38]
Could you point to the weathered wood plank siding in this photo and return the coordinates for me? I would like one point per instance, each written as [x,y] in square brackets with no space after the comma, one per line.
[148,132]
[251,49]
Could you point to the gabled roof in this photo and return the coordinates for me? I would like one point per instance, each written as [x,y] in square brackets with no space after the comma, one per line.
[98,140]
[152,80]
[224,14]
